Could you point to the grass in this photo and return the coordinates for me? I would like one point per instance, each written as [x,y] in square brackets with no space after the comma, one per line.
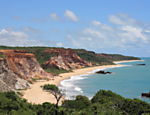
[56,71]
[2,56]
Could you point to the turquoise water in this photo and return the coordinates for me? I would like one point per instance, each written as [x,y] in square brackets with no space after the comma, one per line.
[129,81]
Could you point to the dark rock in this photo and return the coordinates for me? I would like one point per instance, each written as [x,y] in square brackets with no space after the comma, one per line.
[146,95]
[141,64]
[103,72]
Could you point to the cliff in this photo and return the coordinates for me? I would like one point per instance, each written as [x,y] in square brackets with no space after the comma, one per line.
[65,59]
[17,68]
[117,57]
[59,60]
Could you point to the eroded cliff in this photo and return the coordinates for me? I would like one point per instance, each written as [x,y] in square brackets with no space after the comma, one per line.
[17,68]
[65,59]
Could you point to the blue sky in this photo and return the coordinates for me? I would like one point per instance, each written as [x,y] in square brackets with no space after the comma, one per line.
[109,26]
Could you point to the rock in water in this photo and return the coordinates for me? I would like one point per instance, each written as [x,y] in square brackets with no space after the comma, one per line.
[146,95]
[141,64]
[103,72]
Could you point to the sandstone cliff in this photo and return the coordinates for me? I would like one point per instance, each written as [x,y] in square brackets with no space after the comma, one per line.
[17,68]
[66,59]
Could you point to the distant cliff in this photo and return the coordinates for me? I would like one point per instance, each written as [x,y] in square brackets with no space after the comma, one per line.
[18,68]
[101,58]
[117,57]
[65,59]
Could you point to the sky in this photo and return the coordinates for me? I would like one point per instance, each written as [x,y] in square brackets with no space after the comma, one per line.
[103,26]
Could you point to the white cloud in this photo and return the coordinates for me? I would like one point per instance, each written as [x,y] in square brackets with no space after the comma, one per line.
[71,16]
[101,25]
[54,16]
[124,34]
[96,23]
[11,37]
[10,34]
[122,19]
[134,32]
[147,31]
[92,32]
[115,20]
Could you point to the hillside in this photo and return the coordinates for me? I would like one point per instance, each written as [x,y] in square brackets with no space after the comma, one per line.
[117,57]
[59,60]
[65,59]
[101,58]
[18,68]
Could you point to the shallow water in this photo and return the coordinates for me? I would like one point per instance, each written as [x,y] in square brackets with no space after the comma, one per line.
[129,81]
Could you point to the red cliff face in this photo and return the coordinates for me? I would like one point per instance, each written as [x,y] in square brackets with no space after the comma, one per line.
[21,66]
[66,59]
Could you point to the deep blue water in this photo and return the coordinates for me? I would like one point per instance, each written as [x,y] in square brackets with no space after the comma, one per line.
[129,81]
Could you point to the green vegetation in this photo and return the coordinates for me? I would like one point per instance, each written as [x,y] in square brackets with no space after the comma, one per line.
[106,103]
[2,56]
[42,56]
[103,103]
[81,102]
[93,58]
[11,104]
[102,59]
[55,71]
[118,57]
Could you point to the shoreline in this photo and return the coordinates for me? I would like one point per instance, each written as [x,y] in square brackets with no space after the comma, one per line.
[36,95]
[125,61]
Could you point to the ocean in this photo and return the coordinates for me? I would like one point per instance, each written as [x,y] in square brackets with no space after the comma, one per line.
[128,81]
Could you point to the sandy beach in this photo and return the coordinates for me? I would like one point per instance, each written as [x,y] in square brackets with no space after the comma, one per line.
[117,62]
[36,95]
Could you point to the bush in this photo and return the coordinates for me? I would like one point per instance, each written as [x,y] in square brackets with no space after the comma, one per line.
[80,102]
[104,96]
[12,104]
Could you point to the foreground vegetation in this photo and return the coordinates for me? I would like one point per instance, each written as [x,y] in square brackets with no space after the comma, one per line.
[103,103]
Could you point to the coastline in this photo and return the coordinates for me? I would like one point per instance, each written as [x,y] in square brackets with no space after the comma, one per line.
[125,61]
[36,95]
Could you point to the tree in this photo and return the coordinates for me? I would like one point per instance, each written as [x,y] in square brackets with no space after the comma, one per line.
[80,102]
[55,91]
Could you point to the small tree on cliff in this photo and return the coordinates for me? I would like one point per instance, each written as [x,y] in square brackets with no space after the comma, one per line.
[55,91]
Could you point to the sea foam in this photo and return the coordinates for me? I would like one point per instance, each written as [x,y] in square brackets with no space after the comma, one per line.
[70,87]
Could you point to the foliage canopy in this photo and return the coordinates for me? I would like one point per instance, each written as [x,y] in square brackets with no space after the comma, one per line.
[103,103]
